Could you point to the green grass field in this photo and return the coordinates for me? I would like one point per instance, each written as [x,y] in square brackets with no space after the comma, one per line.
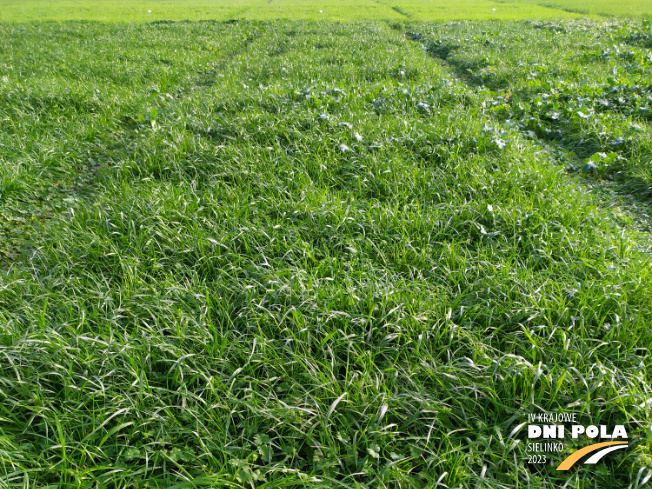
[286,253]
[332,10]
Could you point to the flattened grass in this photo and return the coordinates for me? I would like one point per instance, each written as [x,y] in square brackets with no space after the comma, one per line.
[312,254]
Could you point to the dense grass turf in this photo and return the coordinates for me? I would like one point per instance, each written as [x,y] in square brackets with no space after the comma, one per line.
[586,92]
[321,254]
[424,10]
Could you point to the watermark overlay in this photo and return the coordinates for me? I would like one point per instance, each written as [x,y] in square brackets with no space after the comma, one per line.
[548,434]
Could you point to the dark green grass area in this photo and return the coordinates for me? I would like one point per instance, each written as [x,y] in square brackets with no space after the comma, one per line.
[320,255]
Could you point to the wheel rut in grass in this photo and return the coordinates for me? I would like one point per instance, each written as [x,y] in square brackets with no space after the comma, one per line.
[580,11]
[401,12]
[76,131]
[576,116]
[564,9]
[395,8]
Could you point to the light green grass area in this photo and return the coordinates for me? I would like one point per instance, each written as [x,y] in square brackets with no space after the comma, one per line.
[452,10]
[620,8]
[313,254]
[355,10]
[123,10]
[332,10]
[429,10]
